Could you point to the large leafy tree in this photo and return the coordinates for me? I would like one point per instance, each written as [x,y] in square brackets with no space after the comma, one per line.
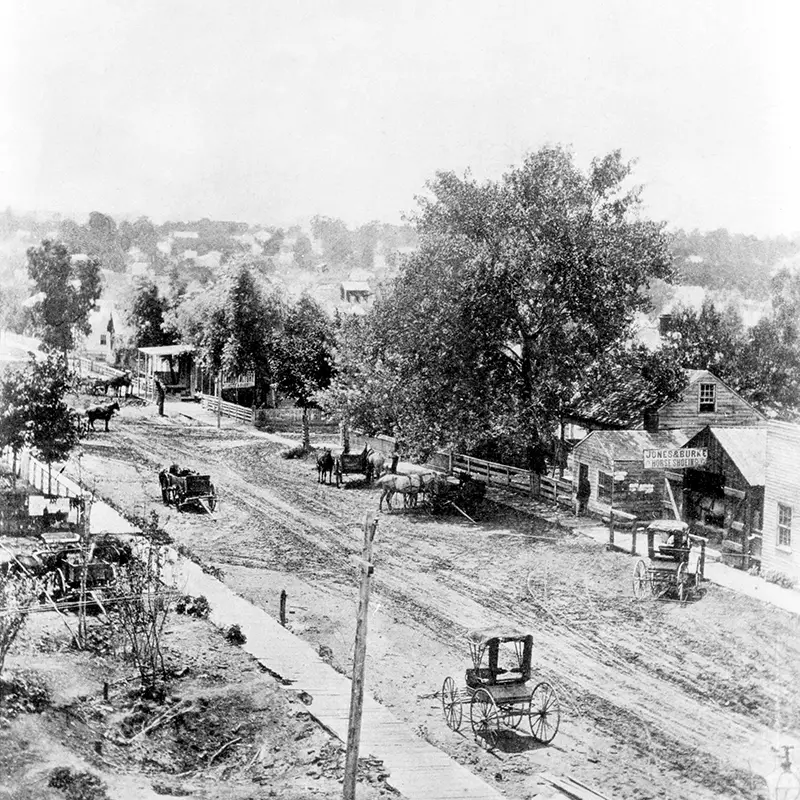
[518,287]
[146,316]
[304,355]
[14,406]
[69,291]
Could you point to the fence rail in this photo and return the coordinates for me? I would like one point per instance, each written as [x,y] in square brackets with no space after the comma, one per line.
[555,490]
[494,474]
[241,413]
[83,366]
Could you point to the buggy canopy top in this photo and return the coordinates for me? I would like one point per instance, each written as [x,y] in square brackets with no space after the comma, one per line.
[503,633]
[668,526]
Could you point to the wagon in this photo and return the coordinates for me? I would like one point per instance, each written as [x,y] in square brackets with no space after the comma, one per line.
[367,463]
[184,488]
[499,691]
[675,562]
[67,575]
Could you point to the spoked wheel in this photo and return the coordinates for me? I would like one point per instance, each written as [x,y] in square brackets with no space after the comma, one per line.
[212,501]
[642,586]
[682,582]
[451,704]
[544,713]
[485,718]
[537,586]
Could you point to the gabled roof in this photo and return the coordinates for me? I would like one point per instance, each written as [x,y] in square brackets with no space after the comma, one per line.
[628,445]
[356,286]
[747,448]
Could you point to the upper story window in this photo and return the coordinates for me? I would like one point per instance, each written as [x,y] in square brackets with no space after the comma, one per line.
[784,525]
[102,338]
[708,398]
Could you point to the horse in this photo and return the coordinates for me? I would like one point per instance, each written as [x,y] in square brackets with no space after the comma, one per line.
[119,382]
[325,464]
[408,485]
[373,464]
[101,412]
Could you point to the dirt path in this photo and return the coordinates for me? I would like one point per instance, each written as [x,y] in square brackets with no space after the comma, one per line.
[659,700]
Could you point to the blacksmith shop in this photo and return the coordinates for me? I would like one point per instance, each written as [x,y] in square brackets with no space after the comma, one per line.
[723,499]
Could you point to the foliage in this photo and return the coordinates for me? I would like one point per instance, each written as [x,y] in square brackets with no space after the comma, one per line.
[294,452]
[18,594]
[14,405]
[517,289]
[146,316]
[78,784]
[337,246]
[303,252]
[193,606]
[780,578]
[234,635]
[71,290]
[142,612]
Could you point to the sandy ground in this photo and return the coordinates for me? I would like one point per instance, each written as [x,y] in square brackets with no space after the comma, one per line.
[659,700]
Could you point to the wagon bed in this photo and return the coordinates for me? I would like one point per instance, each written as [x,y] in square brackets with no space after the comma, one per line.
[187,489]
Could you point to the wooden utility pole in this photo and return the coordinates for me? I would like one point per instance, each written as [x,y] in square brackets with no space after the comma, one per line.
[359,659]
[219,398]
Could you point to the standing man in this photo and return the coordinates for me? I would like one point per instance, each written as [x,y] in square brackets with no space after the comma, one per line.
[161,393]
[583,494]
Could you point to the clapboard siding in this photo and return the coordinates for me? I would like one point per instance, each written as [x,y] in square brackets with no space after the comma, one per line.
[732,410]
[782,486]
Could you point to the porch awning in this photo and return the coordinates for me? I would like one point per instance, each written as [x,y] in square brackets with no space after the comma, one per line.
[167,350]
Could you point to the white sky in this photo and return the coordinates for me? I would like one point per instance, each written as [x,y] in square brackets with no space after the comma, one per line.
[270,111]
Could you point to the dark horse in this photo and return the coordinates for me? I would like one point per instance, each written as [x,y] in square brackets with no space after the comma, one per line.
[117,383]
[325,464]
[101,412]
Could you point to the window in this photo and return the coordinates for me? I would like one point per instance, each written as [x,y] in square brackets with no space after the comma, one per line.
[102,338]
[784,525]
[605,487]
[708,398]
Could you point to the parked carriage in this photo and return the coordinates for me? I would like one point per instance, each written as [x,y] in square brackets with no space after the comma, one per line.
[676,559]
[184,488]
[460,491]
[367,463]
[499,690]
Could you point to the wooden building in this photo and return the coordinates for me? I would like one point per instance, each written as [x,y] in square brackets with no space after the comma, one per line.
[780,548]
[173,364]
[613,463]
[706,400]
[723,499]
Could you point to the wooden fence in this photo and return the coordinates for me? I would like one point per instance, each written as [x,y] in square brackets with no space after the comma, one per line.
[84,366]
[211,403]
[35,473]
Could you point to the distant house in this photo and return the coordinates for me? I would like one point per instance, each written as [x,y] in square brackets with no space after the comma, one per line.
[706,400]
[172,364]
[613,464]
[780,546]
[355,292]
[99,343]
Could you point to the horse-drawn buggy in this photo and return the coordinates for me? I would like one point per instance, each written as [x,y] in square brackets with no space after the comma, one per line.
[368,463]
[676,559]
[499,690]
[184,488]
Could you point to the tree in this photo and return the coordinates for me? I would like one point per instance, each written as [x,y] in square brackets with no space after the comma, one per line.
[518,287]
[14,408]
[273,245]
[18,593]
[337,245]
[51,433]
[304,356]
[303,251]
[70,290]
[146,316]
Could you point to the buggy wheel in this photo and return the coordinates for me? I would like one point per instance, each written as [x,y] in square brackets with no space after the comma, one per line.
[537,586]
[544,713]
[485,718]
[642,583]
[212,501]
[451,705]
[682,579]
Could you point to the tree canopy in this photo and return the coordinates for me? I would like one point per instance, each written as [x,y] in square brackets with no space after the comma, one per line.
[146,316]
[518,288]
[70,290]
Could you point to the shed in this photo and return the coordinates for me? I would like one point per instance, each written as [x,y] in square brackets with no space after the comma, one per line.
[613,464]
[355,291]
[723,499]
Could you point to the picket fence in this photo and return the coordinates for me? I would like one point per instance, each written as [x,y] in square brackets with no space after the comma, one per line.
[35,472]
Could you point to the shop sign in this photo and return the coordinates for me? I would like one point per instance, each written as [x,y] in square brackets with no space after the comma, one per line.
[676,458]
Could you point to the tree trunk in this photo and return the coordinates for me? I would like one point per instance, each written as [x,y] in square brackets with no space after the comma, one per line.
[14,469]
[344,435]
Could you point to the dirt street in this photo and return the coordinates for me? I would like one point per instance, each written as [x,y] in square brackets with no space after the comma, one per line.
[658,700]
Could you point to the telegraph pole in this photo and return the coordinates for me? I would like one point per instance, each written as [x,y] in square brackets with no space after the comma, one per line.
[359,659]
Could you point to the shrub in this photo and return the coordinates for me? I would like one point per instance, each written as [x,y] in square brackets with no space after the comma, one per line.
[77,785]
[25,691]
[294,452]
[234,635]
[193,606]
[780,578]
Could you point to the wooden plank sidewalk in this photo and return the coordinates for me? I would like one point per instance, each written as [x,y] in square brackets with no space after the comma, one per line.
[418,770]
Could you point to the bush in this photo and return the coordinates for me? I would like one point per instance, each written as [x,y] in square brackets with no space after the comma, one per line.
[294,452]
[78,785]
[780,578]
[234,635]
[193,606]
[24,692]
